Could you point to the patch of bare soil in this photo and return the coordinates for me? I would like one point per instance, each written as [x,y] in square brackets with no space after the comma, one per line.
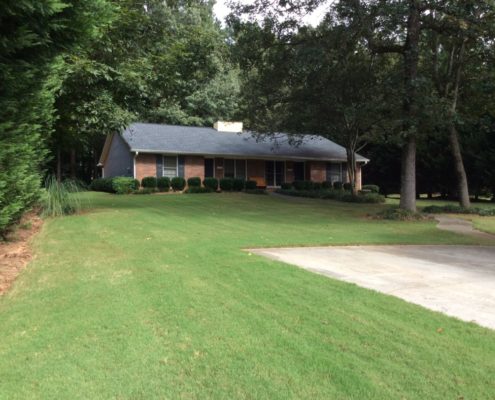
[15,252]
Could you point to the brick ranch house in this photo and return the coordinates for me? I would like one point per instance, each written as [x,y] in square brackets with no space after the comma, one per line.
[222,151]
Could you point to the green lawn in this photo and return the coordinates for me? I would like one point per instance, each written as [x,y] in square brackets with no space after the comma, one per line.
[146,297]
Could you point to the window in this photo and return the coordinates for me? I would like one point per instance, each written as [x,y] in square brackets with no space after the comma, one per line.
[334,172]
[299,171]
[274,172]
[234,168]
[228,168]
[209,164]
[240,169]
[170,166]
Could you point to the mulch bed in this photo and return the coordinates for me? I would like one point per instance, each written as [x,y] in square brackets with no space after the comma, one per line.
[15,252]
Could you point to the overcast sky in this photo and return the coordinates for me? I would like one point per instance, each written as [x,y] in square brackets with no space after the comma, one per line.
[221,11]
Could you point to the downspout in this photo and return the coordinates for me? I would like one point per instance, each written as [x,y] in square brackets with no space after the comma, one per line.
[134,164]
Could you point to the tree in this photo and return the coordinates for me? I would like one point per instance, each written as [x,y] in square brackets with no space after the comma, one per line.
[33,34]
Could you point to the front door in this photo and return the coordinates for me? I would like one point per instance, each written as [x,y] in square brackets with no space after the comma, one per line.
[274,173]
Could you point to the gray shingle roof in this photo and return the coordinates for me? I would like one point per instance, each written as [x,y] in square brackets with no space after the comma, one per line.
[174,139]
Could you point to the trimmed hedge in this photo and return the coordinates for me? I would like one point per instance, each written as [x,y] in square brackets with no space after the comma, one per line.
[371,188]
[211,183]
[255,191]
[199,189]
[251,185]
[148,182]
[124,185]
[326,185]
[194,182]
[455,209]
[338,185]
[286,186]
[333,194]
[163,184]
[347,186]
[178,183]
[238,184]
[102,185]
[226,184]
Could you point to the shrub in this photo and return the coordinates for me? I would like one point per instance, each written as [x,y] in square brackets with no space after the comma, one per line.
[303,185]
[325,185]
[347,186]
[145,190]
[60,198]
[178,183]
[211,183]
[198,189]
[163,184]
[255,191]
[148,182]
[194,182]
[316,186]
[102,185]
[338,185]
[286,186]
[455,209]
[238,184]
[251,185]
[372,188]
[226,183]
[124,185]
[398,214]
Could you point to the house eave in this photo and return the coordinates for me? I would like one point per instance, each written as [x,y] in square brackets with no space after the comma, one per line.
[248,157]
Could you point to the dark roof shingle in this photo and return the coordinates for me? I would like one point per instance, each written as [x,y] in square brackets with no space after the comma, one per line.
[175,139]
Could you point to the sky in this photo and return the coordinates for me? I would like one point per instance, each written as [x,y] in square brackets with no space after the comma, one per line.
[221,11]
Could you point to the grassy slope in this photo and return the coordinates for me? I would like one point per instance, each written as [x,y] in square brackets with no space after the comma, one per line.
[151,297]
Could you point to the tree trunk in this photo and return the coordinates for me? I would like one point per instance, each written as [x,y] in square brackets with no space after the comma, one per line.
[408,175]
[462,182]
[411,59]
[59,165]
[351,169]
[72,164]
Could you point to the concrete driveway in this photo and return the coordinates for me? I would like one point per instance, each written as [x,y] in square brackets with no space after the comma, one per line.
[456,280]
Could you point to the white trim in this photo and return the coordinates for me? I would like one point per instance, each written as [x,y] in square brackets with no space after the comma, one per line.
[242,157]
[102,172]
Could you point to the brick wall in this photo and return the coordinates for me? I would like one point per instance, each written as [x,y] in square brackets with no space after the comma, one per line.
[145,166]
[318,171]
[194,166]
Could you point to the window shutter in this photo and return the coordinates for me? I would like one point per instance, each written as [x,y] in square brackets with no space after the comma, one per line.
[181,161]
[159,165]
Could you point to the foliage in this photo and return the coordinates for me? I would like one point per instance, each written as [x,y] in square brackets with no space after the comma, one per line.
[60,198]
[145,190]
[34,35]
[238,184]
[102,185]
[149,182]
[347,186]
[211,183]
[456,209]
[286,185]
[333,194]
[226,184]
[372,188]
[338,185]
[194,182]
[255,191]
[178,183]
[326,185]
[302,185]
[124,185]
[398,214]
[163,183]
[250,185]
[199,189]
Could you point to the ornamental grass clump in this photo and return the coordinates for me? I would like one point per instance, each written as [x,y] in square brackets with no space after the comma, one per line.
[60,198]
